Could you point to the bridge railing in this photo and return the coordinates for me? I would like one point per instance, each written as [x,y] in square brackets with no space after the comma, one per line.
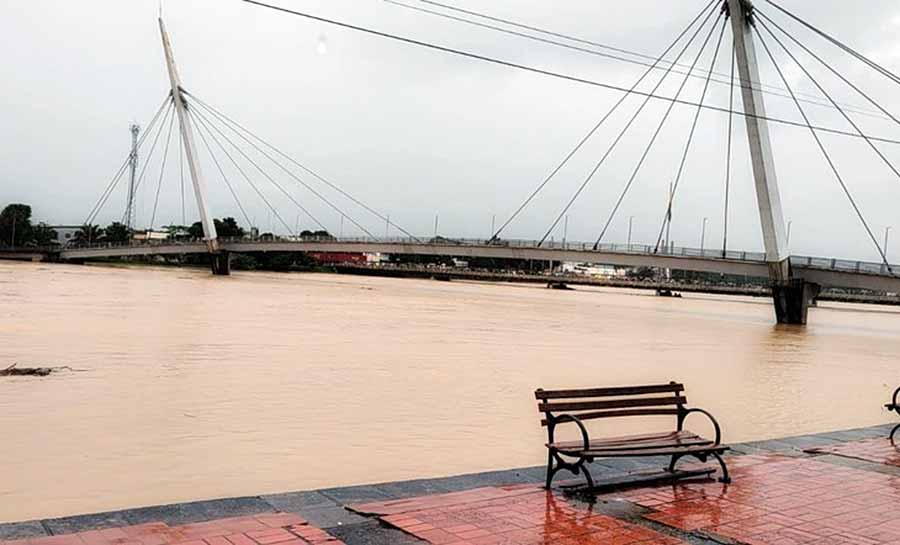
[830,264]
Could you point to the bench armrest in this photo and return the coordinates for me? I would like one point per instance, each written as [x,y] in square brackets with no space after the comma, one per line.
[558,419]
[715,423]
[896,395]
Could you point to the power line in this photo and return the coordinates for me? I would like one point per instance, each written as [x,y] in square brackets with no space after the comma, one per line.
[752,85]
[824,92]
[558,75]
[828,158]
[859,56]
[828,66]
[654,137]
[609,113]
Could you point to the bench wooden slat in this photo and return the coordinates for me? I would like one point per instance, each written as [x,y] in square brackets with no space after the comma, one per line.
[656,452]
[626,412]
[626,440]
[576,447]
[564,406]
[609,392]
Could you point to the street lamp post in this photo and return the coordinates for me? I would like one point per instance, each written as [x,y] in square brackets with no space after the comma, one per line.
[565,231]
[886,231]
[436,225]
[703,235]
[630,226]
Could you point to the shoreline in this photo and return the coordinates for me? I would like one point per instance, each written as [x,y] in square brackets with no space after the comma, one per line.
[326,508]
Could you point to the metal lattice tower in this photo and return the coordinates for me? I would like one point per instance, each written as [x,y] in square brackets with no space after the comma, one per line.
[132,165]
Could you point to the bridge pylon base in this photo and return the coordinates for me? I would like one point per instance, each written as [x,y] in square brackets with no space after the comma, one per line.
[220,262]
[793,299]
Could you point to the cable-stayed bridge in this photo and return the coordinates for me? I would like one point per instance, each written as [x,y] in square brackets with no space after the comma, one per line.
[208,140]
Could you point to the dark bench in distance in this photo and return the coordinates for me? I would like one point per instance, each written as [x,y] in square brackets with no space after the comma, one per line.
[894,406]
[577,406]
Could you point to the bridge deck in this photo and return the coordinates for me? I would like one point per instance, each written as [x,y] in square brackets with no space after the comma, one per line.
[825,271]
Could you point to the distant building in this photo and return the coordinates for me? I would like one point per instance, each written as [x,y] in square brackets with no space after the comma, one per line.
[65,233]
[594,269]
[145,236]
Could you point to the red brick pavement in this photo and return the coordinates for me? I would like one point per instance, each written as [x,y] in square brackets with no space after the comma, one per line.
[776,500]
[510,516]
[880,451]
[264,529]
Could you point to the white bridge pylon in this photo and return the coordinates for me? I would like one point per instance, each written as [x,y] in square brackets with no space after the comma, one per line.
[187,133]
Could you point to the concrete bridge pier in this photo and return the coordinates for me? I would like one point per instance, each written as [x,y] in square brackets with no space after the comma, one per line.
[220,263]
[793,299]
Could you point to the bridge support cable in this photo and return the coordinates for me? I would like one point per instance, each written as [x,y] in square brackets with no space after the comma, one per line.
[830,68]
[212,127]
[243,132]
[104,196]
[201,126]
[715,77]
[828,96]
[289,173]
[137,184]
[653,138]
[550,73]
[181,174]
[847,49]
[667,218]
[728,152]
[828,158]
[603,120]
[162,172]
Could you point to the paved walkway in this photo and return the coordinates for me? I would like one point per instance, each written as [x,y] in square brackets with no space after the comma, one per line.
[833,488]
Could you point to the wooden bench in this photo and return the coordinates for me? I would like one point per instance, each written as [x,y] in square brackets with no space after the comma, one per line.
[578,406]
[894,406]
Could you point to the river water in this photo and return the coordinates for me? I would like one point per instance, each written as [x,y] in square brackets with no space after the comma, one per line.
[193,387]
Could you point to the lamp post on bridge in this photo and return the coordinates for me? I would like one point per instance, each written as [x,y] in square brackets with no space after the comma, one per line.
[887,230]
[789,223]
[436,216]
[703,235]
[630,227]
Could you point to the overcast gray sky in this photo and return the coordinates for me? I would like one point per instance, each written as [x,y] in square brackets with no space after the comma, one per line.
[414,133]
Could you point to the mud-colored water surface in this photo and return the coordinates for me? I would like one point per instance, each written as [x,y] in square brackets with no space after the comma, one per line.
[194,387]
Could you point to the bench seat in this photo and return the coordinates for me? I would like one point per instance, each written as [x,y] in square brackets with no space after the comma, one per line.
[561,407]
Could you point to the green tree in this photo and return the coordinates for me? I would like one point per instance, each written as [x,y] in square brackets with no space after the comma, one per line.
[226,228]
[117,233]
[15,225]
[43,234]
[89,234]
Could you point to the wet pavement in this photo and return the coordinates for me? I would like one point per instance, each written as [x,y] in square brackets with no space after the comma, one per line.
[833,488]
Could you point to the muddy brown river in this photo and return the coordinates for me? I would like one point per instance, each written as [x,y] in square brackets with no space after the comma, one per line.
[192,387]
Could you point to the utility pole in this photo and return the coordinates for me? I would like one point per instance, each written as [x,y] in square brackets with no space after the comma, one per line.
[435,225]
[132,178]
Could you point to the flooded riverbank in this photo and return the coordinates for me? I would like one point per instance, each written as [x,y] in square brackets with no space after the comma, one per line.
[199,387]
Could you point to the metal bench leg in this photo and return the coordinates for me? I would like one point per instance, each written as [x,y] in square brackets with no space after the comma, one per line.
[551,471]
[675,458]
[725,478]
[893,432]
[575,469]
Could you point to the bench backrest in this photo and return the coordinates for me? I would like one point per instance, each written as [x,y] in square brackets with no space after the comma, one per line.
[588,404]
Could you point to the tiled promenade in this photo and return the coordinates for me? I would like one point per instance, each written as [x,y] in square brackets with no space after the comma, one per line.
[833,488]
